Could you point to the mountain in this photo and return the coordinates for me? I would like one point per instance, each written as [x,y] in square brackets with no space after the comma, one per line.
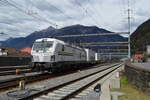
[1,42]
[27,41]
[140,38]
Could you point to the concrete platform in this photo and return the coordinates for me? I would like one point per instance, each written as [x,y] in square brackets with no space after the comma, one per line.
[115,95]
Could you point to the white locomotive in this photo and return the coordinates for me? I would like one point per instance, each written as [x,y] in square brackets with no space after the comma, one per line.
[55,55]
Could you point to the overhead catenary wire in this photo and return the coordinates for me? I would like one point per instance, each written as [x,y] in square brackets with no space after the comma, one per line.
[68,16]
[122,8]
[59,10]
[86,11]
[14,4]
[122,13]
[62,12]
[2,2]
[93,8]
[39,18]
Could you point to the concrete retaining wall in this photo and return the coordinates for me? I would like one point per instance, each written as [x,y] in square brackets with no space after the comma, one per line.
[138,77]
[14,61]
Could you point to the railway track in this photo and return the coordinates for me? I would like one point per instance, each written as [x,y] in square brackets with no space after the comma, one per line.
[31,77]
[58,82]
[11,70]
[71,89]
[9,81]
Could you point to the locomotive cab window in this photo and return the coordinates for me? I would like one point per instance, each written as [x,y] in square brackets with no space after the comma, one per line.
[42,45]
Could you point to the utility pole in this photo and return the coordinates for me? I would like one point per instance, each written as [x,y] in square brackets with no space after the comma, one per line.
[129,30]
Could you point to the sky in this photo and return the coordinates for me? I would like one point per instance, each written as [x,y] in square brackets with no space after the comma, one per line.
[19,18]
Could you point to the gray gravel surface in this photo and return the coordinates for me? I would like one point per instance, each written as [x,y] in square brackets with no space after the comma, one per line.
[53,82]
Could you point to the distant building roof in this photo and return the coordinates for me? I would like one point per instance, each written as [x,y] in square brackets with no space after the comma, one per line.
[27,50]
[138,56]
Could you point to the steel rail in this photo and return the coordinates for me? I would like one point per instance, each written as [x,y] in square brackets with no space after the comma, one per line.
[47,89]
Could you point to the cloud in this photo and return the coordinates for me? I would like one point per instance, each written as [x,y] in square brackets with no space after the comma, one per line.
[35,15]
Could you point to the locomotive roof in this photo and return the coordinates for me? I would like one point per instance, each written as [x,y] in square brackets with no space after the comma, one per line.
[57,40]
[50,39]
